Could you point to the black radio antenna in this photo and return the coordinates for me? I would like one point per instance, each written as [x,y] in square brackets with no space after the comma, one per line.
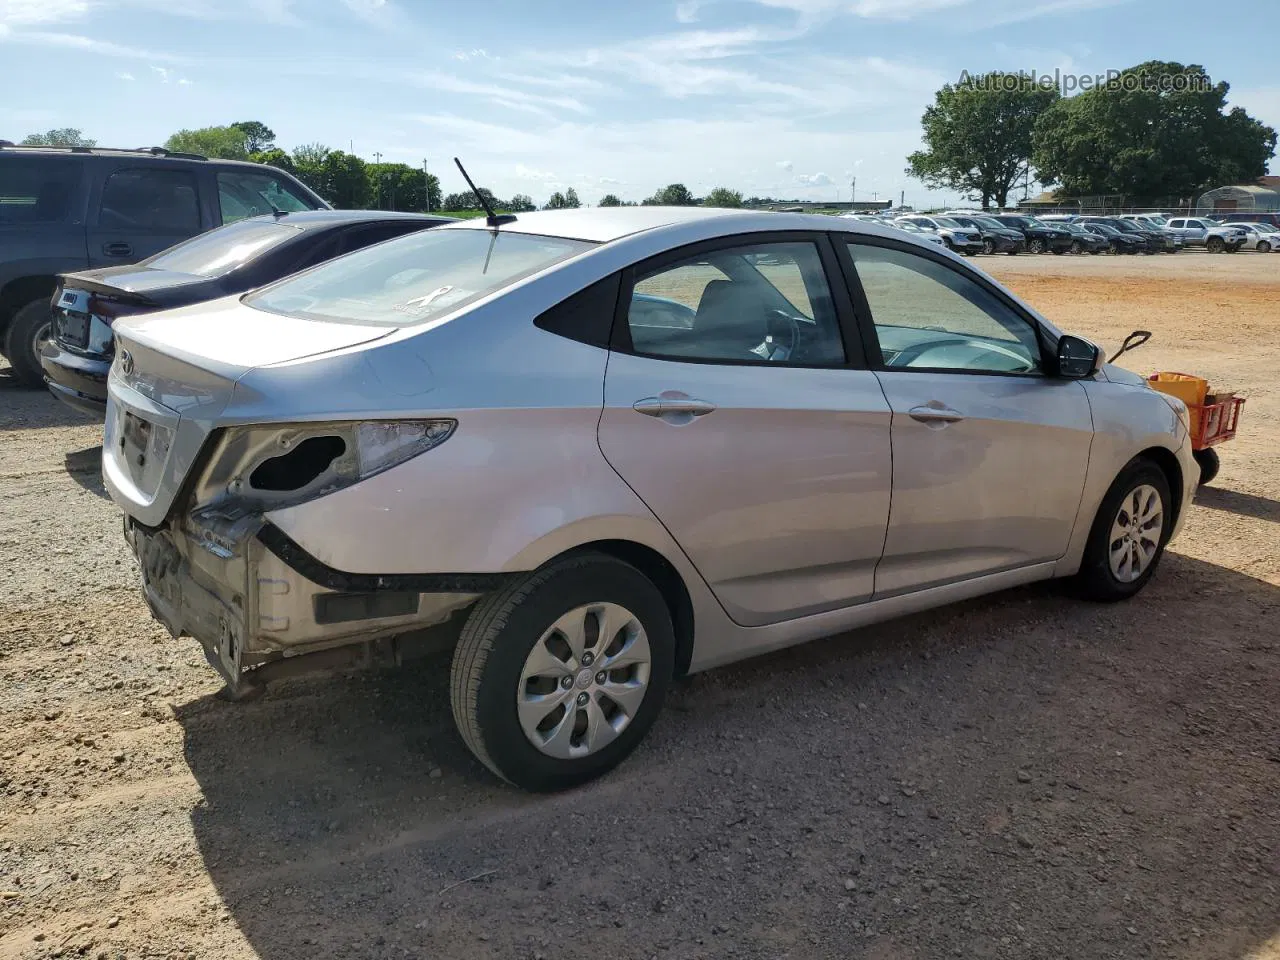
[493,219]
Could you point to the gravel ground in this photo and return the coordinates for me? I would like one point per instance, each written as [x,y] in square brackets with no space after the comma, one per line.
[1022,776]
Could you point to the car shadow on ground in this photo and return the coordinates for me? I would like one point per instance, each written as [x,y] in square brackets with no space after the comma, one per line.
[85,468]
[33,408]
[1021,775]
[1244,504]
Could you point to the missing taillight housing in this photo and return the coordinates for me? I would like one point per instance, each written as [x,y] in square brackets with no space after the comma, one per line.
[299,467]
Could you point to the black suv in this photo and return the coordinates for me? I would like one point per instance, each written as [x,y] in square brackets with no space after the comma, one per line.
[68,209]
[1040,236]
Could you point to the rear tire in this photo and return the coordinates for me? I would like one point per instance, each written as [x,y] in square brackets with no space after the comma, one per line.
[1104,579]
[1264,247]
[1209,464]
[30,327]
[499,642]
[1035,246]
[1077,247]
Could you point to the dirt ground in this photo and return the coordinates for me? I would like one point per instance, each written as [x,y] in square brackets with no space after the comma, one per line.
[1023,776]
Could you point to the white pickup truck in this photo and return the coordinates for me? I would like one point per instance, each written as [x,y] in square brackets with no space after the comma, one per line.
[1208,233]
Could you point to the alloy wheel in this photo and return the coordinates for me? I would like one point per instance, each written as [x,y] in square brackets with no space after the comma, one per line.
[584,680]
[1135,533]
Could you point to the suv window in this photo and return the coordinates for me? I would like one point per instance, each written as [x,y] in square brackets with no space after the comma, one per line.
[37,189]
[930,316]
[1177,223]
[251,194]
[150,198]
[752,303]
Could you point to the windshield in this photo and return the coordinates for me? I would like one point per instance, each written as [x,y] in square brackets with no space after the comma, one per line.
[415,278]
[1210,222]
[1157,220]
[220,251]
[1259,227]
[990,222]
[907,225]
[947,222]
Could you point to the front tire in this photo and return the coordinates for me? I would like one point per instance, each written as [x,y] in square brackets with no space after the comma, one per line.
[30,328]
[1035,246]
[1215,245]
[558,676]
[1128,535]
[1264,247]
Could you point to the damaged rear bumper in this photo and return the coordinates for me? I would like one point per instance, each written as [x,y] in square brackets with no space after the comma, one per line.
[256,601]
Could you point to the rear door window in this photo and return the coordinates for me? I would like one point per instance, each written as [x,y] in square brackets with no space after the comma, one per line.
[150,199]
[38,189]
[252,194]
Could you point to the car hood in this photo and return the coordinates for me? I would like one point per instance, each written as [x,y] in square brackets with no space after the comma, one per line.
[1121,375]
[229,338]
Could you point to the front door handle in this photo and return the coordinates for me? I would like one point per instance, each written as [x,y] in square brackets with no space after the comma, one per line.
[664,405]
[117,248]
[935,412]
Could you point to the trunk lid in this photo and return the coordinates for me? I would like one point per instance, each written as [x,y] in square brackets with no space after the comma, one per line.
[175,372]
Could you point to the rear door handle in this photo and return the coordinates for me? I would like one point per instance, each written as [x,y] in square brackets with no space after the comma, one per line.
[117,248]
[935,412]
[661,406]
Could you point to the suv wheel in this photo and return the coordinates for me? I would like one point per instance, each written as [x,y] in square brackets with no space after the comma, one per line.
[1128,535]
[558,676]
[988,247]
[1214,245]
[1035,246]
[29,330]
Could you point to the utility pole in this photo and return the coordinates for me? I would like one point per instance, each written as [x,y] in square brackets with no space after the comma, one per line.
[427,177]
[377,159]
[853,191]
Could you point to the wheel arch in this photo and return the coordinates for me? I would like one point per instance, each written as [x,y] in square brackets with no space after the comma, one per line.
[1172,470]
[663,574]
[17,293]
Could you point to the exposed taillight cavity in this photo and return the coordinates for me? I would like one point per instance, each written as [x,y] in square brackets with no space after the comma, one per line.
[302,465]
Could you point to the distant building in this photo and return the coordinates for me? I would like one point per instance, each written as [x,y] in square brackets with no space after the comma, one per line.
[804,206]
[1263,196]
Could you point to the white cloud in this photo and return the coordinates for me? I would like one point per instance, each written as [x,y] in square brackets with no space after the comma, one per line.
[184,82]
[162,73]
[784,165]
[125,75]
[528,173]
[687,12]
[19,13]
[70,41]
[814,179]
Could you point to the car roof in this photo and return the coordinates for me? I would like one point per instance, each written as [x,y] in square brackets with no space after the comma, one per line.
[604,224]
[321,219]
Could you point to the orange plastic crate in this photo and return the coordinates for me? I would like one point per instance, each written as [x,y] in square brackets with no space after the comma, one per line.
[1215,422]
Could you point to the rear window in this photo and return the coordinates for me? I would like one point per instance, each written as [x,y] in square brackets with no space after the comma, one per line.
[37,189]
[220,251]
[415,278]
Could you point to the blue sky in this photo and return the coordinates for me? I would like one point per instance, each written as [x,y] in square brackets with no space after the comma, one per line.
[787,98]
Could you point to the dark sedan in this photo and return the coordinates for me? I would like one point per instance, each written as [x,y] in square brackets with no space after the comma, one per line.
[1150,241]
[996,237]
[1120,241]
[229,260]
[1041,237]
[1084,240]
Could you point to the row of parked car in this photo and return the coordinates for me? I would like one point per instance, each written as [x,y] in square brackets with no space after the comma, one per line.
[967,232]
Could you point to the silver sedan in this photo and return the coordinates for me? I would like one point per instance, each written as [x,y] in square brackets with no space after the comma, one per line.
[593,450]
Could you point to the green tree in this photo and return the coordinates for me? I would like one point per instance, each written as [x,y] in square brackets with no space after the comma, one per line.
[398,186]
[571,199]
[274,157]
[1158,130]
[672,195]
[723,197]
[610,200]
[978,135]
[466,200]
[257,135]
[556,202]
[63,137]
[308,166]
[346,181]
[520,203]
[224,143]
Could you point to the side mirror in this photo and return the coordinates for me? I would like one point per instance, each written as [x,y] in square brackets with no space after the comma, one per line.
[1078,358]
